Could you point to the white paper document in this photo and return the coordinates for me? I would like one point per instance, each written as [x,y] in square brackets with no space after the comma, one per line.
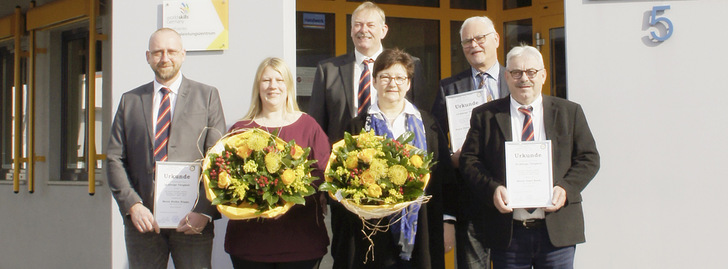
[529,176]
[459,108]
[176,186]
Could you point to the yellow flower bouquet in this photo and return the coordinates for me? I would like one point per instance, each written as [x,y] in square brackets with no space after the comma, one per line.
[374,177]
[254,174]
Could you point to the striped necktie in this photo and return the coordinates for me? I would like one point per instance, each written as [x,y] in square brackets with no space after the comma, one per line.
[164,118]
[484,84]
[527,133]
[364,94]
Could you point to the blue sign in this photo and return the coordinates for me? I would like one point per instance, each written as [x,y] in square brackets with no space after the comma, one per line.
[314,20]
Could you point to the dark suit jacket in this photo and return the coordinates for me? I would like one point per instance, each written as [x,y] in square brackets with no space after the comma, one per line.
[130,155]
[332,96]
[460,83]
[351,246]
[482,164]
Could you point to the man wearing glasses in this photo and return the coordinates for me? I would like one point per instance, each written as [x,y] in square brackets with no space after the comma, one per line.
[480,44]
[543,237]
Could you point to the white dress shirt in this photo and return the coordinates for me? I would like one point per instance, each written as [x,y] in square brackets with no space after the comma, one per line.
[173,91]
[539,134]
[358,68]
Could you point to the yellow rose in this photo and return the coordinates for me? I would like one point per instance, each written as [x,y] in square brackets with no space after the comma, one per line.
[416,161]
[288,176]
[272,162]
[243,150]
[367,177]
[366,155]
[351,160]
[223,180]
[280,146]
[296,152]
[397,174]
[374,191]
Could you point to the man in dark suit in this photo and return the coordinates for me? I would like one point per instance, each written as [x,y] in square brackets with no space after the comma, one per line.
[195,122]
[335,97]
[541,237]
[480,44]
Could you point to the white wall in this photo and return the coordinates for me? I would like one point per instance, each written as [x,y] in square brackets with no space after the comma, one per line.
[258,29]
[656,114]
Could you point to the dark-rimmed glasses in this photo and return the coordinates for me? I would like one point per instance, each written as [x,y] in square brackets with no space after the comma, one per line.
[387,79]
[530,73]
[468,43]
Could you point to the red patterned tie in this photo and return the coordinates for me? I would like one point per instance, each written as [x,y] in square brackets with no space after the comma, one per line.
[364,85]
[164,118]
[527,133]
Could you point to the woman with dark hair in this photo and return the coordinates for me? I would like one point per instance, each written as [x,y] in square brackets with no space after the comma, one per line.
[298,238]
[392,115]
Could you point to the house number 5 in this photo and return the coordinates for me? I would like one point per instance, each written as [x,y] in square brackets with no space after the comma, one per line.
[654,20]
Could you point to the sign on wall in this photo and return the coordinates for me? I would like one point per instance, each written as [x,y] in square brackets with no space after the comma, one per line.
[203,24]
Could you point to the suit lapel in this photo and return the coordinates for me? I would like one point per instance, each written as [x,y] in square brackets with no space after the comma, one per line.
[549,116]
[502,84]
[179,108]
[148,106]
[503,117]
[465,82]
[346,73]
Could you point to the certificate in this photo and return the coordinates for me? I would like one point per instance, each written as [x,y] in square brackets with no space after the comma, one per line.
[529,177]
[176,186]
[459,107]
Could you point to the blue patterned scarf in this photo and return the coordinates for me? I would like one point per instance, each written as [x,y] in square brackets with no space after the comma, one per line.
[405,230]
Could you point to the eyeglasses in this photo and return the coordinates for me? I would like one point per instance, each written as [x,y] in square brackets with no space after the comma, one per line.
[387,79]
[531,73]
[468,43]
[170,53]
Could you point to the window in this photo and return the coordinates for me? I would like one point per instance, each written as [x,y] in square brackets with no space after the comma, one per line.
[6,111]
[71,114]
[468,4]
[509,4]
[422,3]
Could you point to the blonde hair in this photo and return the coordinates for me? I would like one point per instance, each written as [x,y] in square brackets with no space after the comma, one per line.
[277,64]
[369,6]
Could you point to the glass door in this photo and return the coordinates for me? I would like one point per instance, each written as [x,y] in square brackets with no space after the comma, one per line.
[539,24]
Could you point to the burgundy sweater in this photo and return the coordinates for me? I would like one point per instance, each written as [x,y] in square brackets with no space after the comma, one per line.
[300,233]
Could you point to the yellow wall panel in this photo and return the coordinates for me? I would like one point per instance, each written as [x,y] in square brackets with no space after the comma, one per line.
[56,12]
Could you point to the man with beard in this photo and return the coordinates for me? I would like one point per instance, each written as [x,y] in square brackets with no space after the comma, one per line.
[480,43]
[169,119]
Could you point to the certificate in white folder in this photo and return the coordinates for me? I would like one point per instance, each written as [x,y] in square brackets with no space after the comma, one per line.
[529,174]
[176,186]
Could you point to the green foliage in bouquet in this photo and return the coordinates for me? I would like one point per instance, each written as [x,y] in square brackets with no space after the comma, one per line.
[261,170]
[374,170]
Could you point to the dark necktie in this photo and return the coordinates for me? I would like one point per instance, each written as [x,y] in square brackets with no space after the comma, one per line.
[364,85]
[527,133]
[484,84]
[164,118]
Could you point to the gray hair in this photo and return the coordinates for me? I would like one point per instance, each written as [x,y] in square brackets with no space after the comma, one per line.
[524,50]
[482,19]
[370,6]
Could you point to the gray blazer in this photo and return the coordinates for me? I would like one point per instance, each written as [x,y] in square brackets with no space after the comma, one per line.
[130,157]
